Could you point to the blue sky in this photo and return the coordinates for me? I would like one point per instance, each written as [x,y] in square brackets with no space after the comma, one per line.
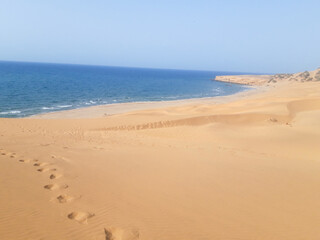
[248,36]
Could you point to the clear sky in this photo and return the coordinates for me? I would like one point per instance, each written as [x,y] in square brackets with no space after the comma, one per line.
[265,36]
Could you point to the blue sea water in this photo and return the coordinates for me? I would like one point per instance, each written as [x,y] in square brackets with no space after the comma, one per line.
[32,88]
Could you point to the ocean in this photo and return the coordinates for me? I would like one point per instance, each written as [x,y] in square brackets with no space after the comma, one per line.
[33,88]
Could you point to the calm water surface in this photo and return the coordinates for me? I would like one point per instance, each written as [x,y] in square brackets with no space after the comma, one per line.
[33,88]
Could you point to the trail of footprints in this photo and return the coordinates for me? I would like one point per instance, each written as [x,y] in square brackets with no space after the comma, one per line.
[44,167]
[62,198]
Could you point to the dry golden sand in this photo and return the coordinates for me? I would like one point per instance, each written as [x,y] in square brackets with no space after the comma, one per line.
[241,168]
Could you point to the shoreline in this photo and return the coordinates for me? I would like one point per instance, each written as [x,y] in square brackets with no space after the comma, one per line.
[253,84]
[105,110]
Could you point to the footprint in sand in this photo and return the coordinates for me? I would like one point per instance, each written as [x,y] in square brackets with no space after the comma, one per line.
[45,144]
[4,153]
[121,234]
[46,169]
[39,164]
[24,160]
[10,154]
[55,176]
[63,198]
[80,217]
[55,186]
[60,158]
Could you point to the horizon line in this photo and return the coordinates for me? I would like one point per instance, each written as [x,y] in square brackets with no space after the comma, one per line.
[155,68]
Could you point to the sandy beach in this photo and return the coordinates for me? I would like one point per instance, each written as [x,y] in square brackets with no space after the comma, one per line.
[237,167]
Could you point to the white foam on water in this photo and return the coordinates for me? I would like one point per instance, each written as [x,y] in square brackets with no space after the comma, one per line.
[90,102]
[64,106]
[10,112]
[48,108]
[218,90]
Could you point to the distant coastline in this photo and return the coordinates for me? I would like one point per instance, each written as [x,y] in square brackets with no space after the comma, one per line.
[259,80]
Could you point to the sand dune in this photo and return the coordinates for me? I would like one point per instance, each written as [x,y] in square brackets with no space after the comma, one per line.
[245,167]
[293,107]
